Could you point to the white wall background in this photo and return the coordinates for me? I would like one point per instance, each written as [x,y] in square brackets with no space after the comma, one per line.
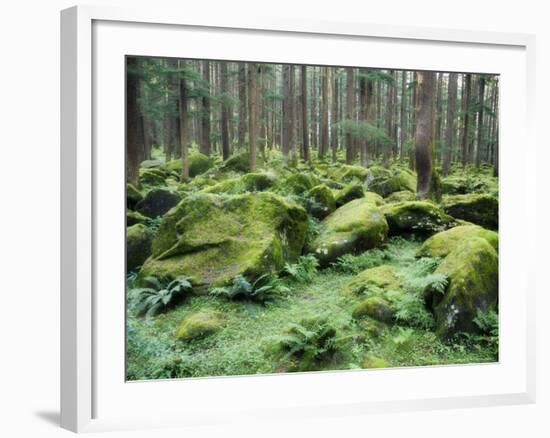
[29,215]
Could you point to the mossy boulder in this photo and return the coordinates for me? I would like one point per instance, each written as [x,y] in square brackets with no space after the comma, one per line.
[347,173]
[350,192]
[320,201]
[157,202]
[149,164]
[402,196]
[251,182]
[374,307]
[200,324]
[373,280]
[387,181]
[296,184]
[133,196]
[213,238]
[416,217]
[455,185]
[481,209]
[133,217]
[374,198]
[374,362]
[152,177]
[237,163]
[138,245]
[198,164]
[472,270]
[356,226]
[441,244]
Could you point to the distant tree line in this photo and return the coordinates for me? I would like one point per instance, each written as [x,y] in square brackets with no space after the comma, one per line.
[361,114]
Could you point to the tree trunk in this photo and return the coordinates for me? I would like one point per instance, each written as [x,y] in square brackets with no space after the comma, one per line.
[402,117]
[242,104]
[226,152]
[184,124]
[334,117]
[324,138]
[288,111]
[305,128]
[349,112]
[466,126]
[480,143]
[205,119]
[449,133]
[363,115]
[134,131]
[252,114]
[424,134]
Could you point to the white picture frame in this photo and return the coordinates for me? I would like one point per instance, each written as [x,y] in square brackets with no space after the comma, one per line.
[90,397]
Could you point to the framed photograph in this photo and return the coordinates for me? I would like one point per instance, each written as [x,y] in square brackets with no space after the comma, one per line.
[283,218]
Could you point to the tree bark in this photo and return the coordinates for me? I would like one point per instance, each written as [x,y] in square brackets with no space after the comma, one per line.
[324,136]
[242,105]
[184,123]
[402,117]
[252,114]
[363,115]
[334,116]
[350,95]
[305,128]
[480,144]
[134,129]
[466,126]
[449,133]
[424,134]
[205,119]
[226,152]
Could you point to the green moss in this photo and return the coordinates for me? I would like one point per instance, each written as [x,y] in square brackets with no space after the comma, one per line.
[348,173]
[157,202]
[416,217]
[374,362]
[472,269]
[198,164]
[320,201]
[251,182]
[199,325]
[357,225]
[133,196]
[138,245]
[349,193]
[237,163]
[441,244]
[481,209]
[133,217]
[213,238]
[152,177]
[296,184]
[401,196]
[383,277]
[387,181]
[374,307]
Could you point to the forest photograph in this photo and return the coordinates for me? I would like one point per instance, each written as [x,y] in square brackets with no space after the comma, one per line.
[293,218]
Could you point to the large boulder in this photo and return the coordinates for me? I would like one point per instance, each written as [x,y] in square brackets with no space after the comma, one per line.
[402,196]
[152,177]
[320,201]
[200,324]
[356,226]
[296,184]
[213,238]
[157,202]
[138,245]
[237,163]
[198,163]
[472,270]
[387,181]
[416,217]
[374,307]
[133,217]
[441,244]
[481,209]
[251,182]
[350,192]
[133,196]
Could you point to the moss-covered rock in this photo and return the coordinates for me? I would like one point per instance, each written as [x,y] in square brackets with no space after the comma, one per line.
[347,173]
[237,163]
[152,177]
[138,245]
[374,362]
[472,270]
[350,192]
[441,244]
[375,198]
[133,196]
[402,196]
[416,217]
[157,202]
[198,164]
[357,225]
[374,307]
[296,184]
[455,185]
[251,182]
[200,324]
[133,217]
[481,209]
[387,181]
[372,280]
[213,238]
[320,201]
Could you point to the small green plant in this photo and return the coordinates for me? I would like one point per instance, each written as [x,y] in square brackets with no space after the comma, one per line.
[304,270]
[404,337]
[154,224]
[487,322]
[263,289]
[307,344]
[313,229]
[353,264]
[158,298]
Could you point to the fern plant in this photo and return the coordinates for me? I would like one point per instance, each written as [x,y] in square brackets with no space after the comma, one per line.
[158,298]
[353,264]
[263,289]
[304,270]
[307,344]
